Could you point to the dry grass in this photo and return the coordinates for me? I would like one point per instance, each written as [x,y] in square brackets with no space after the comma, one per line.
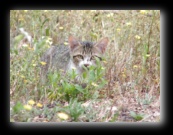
[132,62]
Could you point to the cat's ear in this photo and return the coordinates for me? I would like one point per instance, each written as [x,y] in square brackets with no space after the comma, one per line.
[73,42]
[102,44]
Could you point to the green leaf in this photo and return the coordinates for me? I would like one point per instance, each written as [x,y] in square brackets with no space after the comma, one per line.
[47,32]
[17,107]
[93,35]
[133,114]
[16,51]
[92,75]
[44,22]
[18,38]
[79,88]
[84,75]
[137,117]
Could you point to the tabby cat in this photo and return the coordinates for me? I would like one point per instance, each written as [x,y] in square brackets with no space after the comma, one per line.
[74,56]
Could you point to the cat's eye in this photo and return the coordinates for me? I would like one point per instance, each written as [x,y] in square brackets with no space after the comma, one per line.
[78,56]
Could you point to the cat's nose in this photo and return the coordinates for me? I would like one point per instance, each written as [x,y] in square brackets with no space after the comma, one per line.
[86,65]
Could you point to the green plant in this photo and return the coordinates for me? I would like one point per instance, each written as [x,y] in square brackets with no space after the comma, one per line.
[17,108]
[75,109]
[136,116]
[146,100]
[66,87]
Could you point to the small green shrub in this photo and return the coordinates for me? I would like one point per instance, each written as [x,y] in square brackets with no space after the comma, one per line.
[136,116]
[75,109]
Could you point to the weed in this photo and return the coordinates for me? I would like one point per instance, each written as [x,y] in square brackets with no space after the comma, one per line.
[136,116]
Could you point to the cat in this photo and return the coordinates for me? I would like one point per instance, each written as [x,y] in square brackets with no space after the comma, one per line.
[76,55]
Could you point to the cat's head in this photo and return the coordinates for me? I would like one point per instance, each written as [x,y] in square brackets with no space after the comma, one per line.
[86,53]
